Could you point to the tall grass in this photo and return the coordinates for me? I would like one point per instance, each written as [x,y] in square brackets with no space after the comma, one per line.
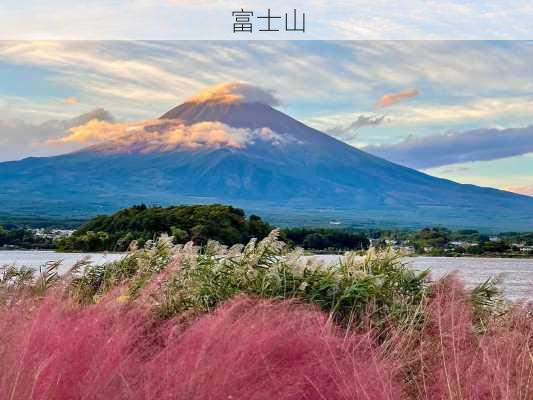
[246,349]
[258,322]
[177,279]
[457,361]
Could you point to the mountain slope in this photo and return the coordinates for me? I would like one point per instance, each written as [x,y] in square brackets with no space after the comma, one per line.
[287,169]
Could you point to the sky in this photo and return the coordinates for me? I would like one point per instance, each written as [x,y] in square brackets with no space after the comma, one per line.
[461,110]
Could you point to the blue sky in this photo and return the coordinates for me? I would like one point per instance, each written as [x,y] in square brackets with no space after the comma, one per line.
[395,98]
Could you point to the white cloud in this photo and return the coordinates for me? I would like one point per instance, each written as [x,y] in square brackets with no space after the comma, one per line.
[467,67]
[477,110]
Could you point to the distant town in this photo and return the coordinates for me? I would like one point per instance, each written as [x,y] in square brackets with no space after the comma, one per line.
[444,242]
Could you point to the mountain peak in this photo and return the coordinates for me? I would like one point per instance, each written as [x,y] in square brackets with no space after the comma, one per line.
[253,116]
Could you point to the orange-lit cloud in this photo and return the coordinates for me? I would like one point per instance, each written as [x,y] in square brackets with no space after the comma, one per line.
[392,98]
[236,92]
[163,135]
[91,132]
[71,100]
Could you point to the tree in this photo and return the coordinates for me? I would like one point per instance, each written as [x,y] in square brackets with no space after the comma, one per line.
[431,238]
[179,235]
[315,241]
[321,238]
[495,247]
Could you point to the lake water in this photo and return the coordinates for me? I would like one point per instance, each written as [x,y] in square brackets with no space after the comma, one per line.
[517,274]
[37,258]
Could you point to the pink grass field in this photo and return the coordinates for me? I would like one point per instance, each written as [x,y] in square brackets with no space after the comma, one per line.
[256,349]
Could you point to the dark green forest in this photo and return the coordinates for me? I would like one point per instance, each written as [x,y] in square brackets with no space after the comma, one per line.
[197,223]
[324,239]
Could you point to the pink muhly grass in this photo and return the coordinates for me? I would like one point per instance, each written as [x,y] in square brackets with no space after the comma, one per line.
[251,349]
[506,352]
[258,349]
[59,351]
[246,349]
[458,363]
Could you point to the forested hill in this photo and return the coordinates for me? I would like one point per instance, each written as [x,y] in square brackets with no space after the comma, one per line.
[225,224]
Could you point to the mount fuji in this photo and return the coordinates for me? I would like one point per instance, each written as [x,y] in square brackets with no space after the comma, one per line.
[244,152]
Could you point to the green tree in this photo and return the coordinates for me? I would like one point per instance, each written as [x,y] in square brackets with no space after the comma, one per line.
[179,235]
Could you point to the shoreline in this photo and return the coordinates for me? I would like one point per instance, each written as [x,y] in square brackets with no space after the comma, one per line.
[413,255]
[306,253]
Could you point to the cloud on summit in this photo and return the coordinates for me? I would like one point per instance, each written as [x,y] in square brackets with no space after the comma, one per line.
[457,147]
[236,92]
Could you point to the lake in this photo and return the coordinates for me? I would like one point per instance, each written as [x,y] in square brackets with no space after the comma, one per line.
[517,274]
[34,259]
